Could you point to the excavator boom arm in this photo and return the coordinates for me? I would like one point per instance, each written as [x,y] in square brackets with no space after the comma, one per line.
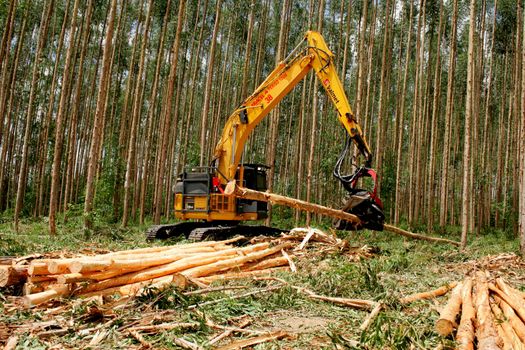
[278,84]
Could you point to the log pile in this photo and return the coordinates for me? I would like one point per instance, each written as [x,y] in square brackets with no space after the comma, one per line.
[486,314]
[130,272]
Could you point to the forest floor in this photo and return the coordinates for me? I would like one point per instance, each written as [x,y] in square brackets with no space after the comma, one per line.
[398,268]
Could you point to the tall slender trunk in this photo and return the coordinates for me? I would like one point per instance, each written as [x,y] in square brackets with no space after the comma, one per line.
[485,134]
[151,113]
[401,117]
[275,116]
[42,157]
[209,80]
[159,178]
[100,114]
[72,144]
[135,115]
[382,94]
[123,138]
[434,128]
[248,50]
[412,161]
[361,61]
[59,124]
[448,120]
[521,214]
[309,176]
[4,59]
[466,198]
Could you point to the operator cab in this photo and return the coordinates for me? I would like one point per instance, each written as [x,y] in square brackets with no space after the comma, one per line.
[199,190]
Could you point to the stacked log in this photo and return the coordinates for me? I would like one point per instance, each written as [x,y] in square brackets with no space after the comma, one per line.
[130,272]
[487,314]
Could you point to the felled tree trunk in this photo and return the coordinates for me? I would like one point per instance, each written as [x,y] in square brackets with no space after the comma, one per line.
[241,192]
[447,319]
[11,275]
[246,193]
[465,336]
[486,333]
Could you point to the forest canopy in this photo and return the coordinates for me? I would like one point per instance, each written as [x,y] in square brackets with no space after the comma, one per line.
[103,103]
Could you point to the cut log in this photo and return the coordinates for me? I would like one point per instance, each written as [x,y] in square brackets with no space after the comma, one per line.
[447,318]
[42,278]
[86,266]
[12,275]
[42,297]
[175,251]
[37,268]
[149,256]
[232,188]
[171,268]
[204,270]
[428,295]
[31,288]
[240,275]
[486,333]
[265,264]
[517,324]
[514,293]
[511,341]
[129,264]
[135,288]
[177,246]
[465,334]
[515,303]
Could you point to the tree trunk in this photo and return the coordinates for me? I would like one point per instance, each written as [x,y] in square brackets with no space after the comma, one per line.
[313,133]
[466,198]
[151,114]
[274,116]
[100,114]
[72,144]
[59,127]
[521,215]
[137,104]
[401,117]
[383,101]
[434,128]
[42,35]
[159,179]
[209,80]
[443,210]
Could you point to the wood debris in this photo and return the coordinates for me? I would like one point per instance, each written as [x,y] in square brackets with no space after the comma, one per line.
[240,344]
[509,265]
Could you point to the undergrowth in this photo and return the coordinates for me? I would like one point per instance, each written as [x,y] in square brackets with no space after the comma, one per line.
[400,267]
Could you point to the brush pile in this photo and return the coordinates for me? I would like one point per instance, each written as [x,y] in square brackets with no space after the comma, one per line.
[130,272]
[491,314]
